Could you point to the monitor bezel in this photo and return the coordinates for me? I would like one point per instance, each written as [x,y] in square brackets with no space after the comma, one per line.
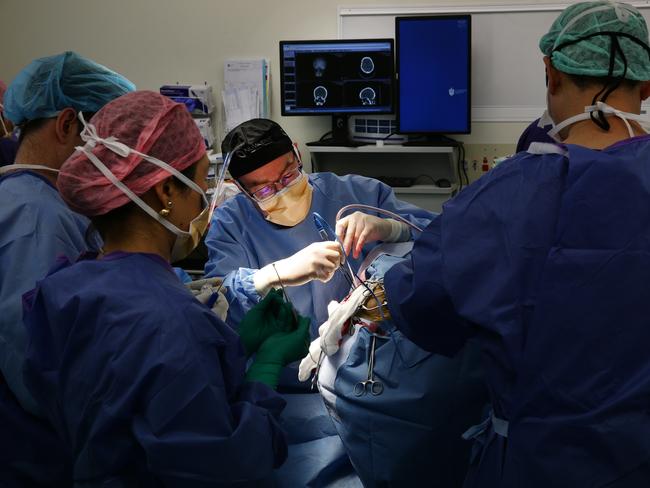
[398,20]
[392,109]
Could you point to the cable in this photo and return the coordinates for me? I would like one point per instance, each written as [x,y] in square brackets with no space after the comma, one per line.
[464,168]
[378,210]
[458,171]
[389,136]
[284,293]
[222,176]
[324,136]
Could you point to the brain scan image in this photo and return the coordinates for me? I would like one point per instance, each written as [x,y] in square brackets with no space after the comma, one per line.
[368,96]
[320,65]
[320,95]
[367,66]
[345,80]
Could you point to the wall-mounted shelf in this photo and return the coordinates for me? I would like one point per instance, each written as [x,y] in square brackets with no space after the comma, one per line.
[432,162]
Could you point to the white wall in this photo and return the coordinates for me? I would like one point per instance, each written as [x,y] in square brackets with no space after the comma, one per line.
[160,41]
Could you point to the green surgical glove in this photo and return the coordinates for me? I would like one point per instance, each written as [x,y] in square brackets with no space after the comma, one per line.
[277,351]
[272,314]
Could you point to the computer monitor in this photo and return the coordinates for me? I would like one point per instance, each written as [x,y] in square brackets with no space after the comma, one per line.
[338,78]
[433,74]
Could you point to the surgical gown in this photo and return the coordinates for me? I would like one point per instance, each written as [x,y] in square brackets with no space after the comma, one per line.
[8,150]
[239,242]
[547,259]
[144,383]
[37,226]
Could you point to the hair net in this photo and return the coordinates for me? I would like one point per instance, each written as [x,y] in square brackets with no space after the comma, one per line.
[145,121]
[261,141]
[48,85]
[589,53]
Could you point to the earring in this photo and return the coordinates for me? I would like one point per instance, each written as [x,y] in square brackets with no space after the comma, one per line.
[165,211]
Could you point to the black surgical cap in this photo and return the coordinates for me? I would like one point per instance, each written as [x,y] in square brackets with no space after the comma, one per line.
[261,141]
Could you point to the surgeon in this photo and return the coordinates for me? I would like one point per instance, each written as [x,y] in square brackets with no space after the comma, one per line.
[145,384]
[8,140]
[547,259]
[266,238]
[43,101]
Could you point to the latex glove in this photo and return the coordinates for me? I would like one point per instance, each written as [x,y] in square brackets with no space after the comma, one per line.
[359,228]
[272,314]
[331,332]
[210,293]
[277,351]
[310,362]
[318,261]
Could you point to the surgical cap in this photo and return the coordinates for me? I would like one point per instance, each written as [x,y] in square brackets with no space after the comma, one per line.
[590,55]
[261,142]
[48,85]
[145,121]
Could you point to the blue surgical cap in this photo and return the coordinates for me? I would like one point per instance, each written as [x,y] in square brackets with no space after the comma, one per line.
[48,85]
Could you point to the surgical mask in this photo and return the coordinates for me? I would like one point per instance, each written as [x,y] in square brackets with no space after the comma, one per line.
[605,109]
[185,241]
[545,120]
[14,167]
[289,206]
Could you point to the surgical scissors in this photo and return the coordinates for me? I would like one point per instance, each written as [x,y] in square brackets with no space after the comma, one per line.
[375,387]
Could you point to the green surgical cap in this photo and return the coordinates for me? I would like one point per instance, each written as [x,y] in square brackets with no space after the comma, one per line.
[589,53]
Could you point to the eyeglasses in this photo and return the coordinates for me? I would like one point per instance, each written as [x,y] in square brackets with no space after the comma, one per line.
[270,189]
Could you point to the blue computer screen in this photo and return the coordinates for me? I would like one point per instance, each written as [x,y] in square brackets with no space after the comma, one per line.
[337,77]
[433,66]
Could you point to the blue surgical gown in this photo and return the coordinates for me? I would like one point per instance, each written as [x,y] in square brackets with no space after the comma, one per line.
[37,226]
[8,150]
[547,259]
[240,241]
[144,383]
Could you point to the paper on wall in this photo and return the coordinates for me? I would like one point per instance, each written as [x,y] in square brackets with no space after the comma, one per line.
[246,91]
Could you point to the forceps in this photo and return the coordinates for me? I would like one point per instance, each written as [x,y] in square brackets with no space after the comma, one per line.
[375,387]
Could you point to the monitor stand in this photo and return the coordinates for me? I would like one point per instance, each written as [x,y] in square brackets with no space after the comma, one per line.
[340,134]
[432,140]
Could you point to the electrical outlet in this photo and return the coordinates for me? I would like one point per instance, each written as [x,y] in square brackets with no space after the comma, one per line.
[476,152]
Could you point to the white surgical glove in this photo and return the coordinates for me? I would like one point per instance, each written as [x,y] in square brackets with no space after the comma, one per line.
[318,261]
[210,292]
[331,332]
[358,228]
[310,362]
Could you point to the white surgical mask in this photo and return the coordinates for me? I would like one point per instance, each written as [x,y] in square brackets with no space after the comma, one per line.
[185,241]
[608,111]
[14,167]
[545,120]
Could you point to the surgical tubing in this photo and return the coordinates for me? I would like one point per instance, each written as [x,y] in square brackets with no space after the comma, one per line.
[357,206]
[222,176]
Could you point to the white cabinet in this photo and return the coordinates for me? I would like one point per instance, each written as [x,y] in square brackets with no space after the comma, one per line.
[431,167]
